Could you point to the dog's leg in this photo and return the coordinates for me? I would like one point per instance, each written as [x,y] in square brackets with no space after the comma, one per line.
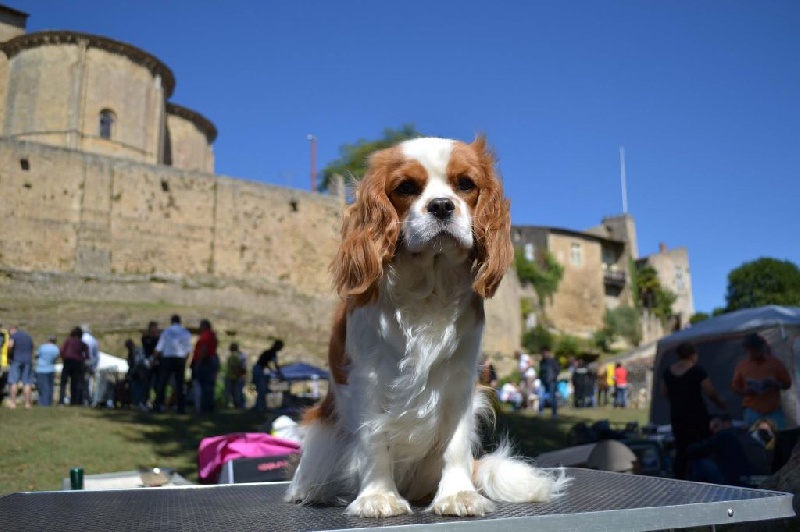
[457,494]
[378,495]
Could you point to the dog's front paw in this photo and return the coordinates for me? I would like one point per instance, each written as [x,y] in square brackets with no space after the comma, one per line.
[378,505]
[462,503]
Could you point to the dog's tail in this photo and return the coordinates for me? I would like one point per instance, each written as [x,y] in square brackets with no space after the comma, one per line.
[502,477]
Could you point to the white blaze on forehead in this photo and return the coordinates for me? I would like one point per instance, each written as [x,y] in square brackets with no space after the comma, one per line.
[432,153]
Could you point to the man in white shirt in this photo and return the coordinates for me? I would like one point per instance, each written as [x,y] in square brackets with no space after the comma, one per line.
[91,384]
[172,349]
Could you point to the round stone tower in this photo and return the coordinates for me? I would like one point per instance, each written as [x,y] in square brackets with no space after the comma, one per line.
[97,95]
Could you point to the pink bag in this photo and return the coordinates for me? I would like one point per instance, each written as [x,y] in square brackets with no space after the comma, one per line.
[217,450]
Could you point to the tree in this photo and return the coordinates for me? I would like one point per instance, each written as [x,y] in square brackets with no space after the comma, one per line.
[624,322]
[352,161]
[697,317]
[543,275]
[537,340]
[652,295]
[765,281]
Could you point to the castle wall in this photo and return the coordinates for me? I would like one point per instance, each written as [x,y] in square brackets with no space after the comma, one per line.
[81,213]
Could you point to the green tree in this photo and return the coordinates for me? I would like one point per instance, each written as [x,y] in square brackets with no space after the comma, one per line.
[537,340]
[543,275]
[352,161]
[652,295]
[697,317]
[765,281]
[621,322]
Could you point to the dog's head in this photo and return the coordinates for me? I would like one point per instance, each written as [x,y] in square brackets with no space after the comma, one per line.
[421,194]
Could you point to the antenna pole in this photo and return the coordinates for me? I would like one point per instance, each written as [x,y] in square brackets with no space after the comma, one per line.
[622,180]
[313,140]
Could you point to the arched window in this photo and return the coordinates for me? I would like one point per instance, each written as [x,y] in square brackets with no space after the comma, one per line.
[107,119]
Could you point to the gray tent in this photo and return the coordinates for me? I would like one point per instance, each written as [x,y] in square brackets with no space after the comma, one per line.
[719,343]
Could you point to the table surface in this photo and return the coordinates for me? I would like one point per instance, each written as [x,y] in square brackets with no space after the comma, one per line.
[596,500]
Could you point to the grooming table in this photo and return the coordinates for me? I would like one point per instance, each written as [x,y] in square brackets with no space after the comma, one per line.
[596,500]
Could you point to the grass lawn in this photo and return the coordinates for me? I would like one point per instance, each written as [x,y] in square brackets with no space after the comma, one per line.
[42,444]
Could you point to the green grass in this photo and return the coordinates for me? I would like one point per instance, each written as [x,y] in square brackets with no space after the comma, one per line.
[42,444]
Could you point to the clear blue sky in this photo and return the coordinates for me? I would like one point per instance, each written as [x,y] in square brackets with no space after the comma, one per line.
[705,97]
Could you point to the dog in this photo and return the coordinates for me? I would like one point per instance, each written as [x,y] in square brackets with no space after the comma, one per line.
[425,242]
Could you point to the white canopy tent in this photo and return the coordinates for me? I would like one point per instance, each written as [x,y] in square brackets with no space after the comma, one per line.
[107,362]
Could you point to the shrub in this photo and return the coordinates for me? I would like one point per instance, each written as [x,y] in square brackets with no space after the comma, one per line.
[537,339]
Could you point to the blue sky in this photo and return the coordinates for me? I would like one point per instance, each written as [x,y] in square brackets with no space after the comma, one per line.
[705,97]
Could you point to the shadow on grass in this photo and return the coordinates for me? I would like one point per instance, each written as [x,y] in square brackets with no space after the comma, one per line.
[175,439]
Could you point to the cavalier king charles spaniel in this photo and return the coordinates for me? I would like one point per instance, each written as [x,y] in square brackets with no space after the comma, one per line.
[427,239]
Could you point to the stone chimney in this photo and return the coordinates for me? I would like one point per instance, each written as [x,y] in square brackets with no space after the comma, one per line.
[662,247]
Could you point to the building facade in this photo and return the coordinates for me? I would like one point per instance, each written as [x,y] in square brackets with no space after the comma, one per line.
[595,277]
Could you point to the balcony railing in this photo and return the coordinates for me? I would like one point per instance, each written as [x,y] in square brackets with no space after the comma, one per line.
[614,278]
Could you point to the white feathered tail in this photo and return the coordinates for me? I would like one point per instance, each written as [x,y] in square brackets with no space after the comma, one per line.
[503,477]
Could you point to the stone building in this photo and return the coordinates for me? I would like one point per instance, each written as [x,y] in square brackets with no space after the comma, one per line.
[96,95]
[672,266]
[595,277]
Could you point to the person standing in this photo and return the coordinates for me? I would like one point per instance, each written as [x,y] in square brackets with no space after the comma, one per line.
[74,353]
[21,345]
[205,365]
[172,348]
[683,384]
[269,357]
[149,342]
[46,357]
[235,371]
[549,369]
[620,386]
[91,385]
[759,379]
[138,374]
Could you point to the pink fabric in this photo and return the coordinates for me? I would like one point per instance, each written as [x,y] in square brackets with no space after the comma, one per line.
[217,450]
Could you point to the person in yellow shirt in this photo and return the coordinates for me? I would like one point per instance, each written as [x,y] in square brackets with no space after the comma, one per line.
[759,379]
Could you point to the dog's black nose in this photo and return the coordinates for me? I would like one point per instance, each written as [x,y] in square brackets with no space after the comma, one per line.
[442,208]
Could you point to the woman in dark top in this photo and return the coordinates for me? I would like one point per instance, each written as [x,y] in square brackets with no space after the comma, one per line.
[684,384]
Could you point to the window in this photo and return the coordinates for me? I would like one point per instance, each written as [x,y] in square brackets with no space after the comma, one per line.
[679,280]
[529,252]
[576,254]
[107,120]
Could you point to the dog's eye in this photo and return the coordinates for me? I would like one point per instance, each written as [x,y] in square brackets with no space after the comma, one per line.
[407,188]
[464,183]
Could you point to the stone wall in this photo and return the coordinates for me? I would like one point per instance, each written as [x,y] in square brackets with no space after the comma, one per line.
[79,213]
[579,305]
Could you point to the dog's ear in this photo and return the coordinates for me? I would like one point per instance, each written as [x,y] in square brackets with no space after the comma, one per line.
[491,225]
[369,235]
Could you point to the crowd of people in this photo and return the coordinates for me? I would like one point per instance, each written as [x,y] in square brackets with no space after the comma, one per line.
[157,369]
[545,388]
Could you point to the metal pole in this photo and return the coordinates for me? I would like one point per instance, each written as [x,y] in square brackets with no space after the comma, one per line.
[622,179]
[313,141]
